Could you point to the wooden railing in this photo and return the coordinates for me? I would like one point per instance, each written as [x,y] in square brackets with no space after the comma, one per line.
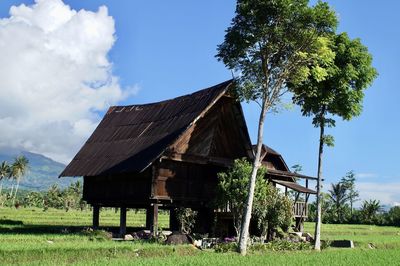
[300,209]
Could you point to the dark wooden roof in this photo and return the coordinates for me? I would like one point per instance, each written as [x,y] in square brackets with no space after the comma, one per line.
[279,173]
[130,138]
[294,186]
[267,153]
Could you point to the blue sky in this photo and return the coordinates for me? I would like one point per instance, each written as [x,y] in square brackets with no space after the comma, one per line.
[166,48]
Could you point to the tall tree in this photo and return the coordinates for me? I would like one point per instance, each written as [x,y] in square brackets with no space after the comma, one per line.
[340,94]
[4,173]
[350,182]
[338,196]
[270,43]
[18,170]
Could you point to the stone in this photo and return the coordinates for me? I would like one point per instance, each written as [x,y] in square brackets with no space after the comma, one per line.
[198,243]
[308,237]
[178,239]
[342,244]
[128,237]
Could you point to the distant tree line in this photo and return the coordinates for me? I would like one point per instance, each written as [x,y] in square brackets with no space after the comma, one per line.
[338,206]
[54,197]
[12,172]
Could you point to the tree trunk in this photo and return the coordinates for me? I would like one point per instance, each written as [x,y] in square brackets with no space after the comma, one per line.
[244,232]
[12,190]
[16,190]
[317,237]
[351,208]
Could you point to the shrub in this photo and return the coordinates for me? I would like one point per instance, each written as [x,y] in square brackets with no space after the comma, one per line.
[225,247]
[393,216]
[186,218]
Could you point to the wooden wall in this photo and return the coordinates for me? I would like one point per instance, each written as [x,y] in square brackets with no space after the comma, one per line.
[128,190]
[191,183]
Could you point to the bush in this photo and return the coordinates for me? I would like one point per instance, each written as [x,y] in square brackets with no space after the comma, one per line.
[393,216]
[281,245]
[272,209]
[225,247]
[186,218]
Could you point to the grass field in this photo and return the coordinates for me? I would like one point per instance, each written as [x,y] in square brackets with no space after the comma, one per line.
[54,237]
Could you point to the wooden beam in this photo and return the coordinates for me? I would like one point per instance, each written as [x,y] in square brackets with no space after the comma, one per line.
[96,215]
[179,157]
[122,222]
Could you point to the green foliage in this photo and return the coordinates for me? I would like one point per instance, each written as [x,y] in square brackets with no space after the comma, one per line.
[340,93]
[5,170]
[393,216]
[370,210]
[186,218]
[96,235]
[225,247]
[69,198]
[272,209]
[232,189]
[338,197]
[349,181]
[281,245]
[33,199]
[272,42]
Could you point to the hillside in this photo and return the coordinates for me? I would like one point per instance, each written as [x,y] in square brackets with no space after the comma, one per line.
[43,171]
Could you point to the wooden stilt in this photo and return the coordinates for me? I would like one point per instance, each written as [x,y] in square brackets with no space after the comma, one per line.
[173,221]
[96,215]
[149,217]
[155,220]
[122,223]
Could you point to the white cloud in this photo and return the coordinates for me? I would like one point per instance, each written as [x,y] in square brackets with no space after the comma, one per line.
[55,76]
[386,193]
[366,175]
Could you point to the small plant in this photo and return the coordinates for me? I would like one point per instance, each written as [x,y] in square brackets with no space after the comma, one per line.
[281,245]
[96,235]
[225,247]
[186,219]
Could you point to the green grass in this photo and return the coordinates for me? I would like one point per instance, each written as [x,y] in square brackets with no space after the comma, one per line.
[54,237]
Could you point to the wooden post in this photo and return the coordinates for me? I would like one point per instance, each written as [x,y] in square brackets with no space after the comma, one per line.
[149,217]
[286,191]
[155,220]
[122,223]
[96,214]
[173,221]
[152,218]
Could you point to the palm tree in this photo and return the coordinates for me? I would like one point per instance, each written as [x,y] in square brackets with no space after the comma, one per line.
[4,172]
[338,196]
[18,170]
[370,209]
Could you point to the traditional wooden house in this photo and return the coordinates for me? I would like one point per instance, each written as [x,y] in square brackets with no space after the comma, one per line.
[166,154]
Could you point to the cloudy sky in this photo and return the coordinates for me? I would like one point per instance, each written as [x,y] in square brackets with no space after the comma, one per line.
[63,63]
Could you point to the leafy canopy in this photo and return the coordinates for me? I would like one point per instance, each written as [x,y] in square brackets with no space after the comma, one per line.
[341,91]
[271,42]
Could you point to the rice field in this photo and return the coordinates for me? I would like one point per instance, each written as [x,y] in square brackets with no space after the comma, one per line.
[56,237]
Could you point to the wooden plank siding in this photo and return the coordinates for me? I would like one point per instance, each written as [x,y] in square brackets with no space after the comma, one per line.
[185,182]
[132,190]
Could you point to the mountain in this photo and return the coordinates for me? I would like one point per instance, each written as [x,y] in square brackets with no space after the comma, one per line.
[43,171]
